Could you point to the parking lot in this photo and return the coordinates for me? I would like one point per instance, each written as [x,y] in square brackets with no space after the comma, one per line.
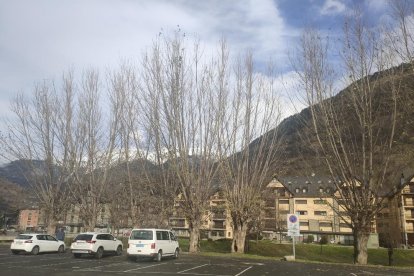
[65,264]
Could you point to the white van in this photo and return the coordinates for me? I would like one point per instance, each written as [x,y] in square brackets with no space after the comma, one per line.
[153,243]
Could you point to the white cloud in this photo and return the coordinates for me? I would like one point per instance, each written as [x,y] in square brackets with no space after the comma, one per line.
[332,7]
[41,39]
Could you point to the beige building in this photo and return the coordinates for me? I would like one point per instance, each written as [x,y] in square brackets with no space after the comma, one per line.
[310,199]
[395,222]
[216,221]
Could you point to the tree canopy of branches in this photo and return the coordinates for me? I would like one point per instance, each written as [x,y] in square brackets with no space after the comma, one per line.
[33,138]
[184,110]
[247,160]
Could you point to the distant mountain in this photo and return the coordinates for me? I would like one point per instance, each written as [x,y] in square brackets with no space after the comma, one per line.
[17,171]
[298,140]
[12,197]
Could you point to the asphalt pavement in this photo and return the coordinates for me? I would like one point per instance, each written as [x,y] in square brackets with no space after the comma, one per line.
[196,265]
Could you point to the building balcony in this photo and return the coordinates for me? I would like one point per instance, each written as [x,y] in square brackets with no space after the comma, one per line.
[218,226]
[219,216]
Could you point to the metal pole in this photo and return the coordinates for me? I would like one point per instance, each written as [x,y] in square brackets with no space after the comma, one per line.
[294,254]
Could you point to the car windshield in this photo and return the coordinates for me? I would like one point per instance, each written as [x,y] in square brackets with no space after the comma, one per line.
[23,237]
[141,235]
[83,237]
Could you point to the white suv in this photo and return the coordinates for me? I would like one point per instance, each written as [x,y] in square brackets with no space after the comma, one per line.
[153,243]
[95,244]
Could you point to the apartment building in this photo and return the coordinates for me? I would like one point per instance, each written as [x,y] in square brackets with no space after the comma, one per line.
[395,222]
[216,220]
[310,198]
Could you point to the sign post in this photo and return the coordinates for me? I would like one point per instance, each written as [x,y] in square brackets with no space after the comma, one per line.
[293,229]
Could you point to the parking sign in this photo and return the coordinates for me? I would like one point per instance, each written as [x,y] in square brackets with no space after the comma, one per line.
[293,225]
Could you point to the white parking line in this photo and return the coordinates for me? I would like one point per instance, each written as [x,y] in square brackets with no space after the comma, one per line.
[192,268]
[143,267]
[243,271]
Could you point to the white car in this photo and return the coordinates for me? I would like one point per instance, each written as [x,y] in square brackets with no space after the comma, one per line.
[95,244]
[153,243]
[35,243]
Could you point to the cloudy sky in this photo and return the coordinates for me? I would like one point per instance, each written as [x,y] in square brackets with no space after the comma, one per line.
[41,39]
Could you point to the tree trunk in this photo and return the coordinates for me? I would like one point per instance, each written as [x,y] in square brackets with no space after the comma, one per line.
[51,226]
[361,246]
[194,240]
[90,224]
[239,239]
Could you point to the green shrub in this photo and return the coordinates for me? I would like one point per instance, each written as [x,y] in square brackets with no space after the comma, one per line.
[310,239]
[324,239]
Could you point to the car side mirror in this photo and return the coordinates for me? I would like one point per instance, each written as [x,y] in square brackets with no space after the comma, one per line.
[114,239]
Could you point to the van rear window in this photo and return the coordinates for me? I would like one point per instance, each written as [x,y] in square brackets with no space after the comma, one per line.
[141,235]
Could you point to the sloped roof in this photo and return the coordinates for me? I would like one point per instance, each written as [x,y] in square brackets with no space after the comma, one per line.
[308,186]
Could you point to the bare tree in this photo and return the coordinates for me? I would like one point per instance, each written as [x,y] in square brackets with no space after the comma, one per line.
[400,36]
[34,139]
[355,129]
[249,144]
[92,155]
[183,115]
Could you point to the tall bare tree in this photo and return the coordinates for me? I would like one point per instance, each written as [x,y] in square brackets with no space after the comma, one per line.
[184,117]
[249,145]
[355,129]
[34,138]
[94,143]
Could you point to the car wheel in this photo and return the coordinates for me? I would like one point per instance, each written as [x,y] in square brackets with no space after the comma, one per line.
[15,252]
[76,255]
[61,249]
[176,253]
[99,253]
[158,257]
[119,251]
[35,250]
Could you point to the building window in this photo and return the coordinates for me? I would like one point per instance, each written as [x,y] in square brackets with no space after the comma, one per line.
[343,225]
[297,190]
[301,201]
[320,201]
[320,213]
[304,223]
[325,224]
[302,213]
[304,190]
[284,201]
